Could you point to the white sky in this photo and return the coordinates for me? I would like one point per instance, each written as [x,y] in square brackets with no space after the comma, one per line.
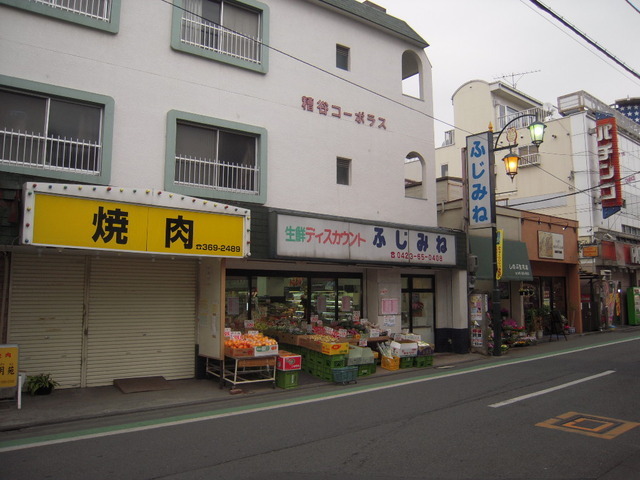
[485,39]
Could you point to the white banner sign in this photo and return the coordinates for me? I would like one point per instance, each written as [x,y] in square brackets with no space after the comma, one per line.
[479,180]
[317,238]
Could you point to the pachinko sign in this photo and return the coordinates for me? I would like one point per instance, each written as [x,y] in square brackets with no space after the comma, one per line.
[609,165]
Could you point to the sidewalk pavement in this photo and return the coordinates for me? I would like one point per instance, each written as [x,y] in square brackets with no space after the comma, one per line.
[65,405]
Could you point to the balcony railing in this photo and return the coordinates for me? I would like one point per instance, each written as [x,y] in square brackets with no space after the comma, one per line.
[98,9]
[225,176]
[522,122]
[582,101]
[217,38]
[50,153]
[528,160]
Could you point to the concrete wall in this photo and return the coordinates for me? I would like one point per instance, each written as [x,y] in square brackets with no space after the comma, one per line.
[147,78]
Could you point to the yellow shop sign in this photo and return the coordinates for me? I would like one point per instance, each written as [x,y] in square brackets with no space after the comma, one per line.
[96,223]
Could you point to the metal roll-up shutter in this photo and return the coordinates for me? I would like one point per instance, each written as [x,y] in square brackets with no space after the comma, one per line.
[141,319]
[45,314]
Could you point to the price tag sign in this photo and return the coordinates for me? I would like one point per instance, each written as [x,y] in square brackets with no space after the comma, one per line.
[227,332]
[235,334]
[8,365]
[342,333]
[328,331]
[253,332]
[249,324]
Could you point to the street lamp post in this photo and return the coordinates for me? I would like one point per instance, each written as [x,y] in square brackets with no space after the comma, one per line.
[479,147]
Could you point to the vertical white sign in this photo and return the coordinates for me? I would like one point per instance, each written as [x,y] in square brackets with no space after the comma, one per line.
[479,180]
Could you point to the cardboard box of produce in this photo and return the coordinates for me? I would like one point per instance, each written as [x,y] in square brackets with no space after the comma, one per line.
[288,361]
[265,350]
[404,348]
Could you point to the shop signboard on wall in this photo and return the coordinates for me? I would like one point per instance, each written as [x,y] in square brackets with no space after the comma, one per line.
[590,251]
[479,176]
[106,218]
[550,245]
[306,237]
[609,163]
[329,109]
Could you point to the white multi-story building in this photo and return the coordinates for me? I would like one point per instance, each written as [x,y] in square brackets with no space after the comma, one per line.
[569,176]
[172,169]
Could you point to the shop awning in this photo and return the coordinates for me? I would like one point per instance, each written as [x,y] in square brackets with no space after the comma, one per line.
[515,260]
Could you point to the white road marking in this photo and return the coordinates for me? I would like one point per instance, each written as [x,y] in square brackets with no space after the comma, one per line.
[549,390]
[26,443]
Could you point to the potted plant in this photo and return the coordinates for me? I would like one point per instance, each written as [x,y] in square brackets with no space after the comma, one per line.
[41,384]
[543,317]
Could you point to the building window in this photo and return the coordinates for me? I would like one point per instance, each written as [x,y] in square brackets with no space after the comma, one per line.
[411,74]
[215,158]
[99,14]
[343,171]
[232,32]
[415,176]
[529,155]
[277,298]
[449,138]
[62,136]
[342,57]
[444,170]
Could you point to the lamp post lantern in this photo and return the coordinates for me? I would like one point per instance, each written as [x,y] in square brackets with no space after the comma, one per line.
[481,187]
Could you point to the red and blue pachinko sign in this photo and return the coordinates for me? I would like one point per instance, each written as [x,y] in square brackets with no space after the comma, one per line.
[609,166]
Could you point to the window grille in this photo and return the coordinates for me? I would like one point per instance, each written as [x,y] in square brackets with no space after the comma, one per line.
[222,27]
[97,9]
[50,133]
[217,159]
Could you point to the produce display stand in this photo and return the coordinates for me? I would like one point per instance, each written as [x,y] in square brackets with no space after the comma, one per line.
[243,370]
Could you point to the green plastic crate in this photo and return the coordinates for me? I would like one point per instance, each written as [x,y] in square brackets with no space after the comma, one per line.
[333,361]
[425,361]
[287,379]
[366,369]
[406,362]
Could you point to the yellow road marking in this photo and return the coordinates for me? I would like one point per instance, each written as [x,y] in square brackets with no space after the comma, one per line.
[590,425]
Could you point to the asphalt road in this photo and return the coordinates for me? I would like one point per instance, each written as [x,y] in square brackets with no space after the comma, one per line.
[569,416]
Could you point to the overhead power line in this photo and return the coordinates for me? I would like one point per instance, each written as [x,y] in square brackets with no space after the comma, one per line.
[585,37]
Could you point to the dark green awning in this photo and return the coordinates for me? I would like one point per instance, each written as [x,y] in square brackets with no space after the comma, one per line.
[515,259]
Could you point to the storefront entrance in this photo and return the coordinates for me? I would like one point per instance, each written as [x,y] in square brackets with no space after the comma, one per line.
[549,293]
[418,306]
